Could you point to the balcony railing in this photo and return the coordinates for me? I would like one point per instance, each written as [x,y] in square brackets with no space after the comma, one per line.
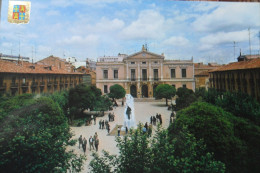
[2,85]
[14,85]
[42,83]
[144,79]
[34,84]
[133,79]
[26,84]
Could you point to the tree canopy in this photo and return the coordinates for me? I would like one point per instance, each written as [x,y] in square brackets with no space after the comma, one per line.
[230,138]
[164,91]
[34,135]
[139,153]
[116,92]
[185,98]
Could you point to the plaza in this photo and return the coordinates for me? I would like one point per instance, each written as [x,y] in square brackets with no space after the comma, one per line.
[143,112]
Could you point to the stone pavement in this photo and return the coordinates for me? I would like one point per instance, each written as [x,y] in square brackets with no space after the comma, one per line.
[143,112]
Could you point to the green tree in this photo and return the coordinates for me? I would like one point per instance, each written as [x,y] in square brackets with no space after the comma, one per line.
[83,97]
[223,134]
[34,136]
[164,91]
[139,153]
[116,92]
[185,98]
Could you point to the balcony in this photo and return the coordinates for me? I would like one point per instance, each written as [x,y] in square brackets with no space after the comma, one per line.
[144,79]
[133,79]
[156,79]
[14,85]
[2,85]
[42,83]
[26,84]
[34,84]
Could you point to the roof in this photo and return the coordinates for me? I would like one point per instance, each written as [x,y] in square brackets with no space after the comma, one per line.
[242,65]
[203,73]
[29,68]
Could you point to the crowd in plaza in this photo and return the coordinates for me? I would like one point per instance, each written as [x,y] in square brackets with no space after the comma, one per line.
[93,141]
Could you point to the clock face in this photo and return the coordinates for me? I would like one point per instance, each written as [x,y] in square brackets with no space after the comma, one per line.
[143,54]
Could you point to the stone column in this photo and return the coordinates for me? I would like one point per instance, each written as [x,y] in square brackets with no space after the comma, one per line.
[127,77]
[161,70]
[150,72]
[139,72]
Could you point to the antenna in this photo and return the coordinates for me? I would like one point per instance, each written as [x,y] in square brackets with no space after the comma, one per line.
[234,50]
[249,41]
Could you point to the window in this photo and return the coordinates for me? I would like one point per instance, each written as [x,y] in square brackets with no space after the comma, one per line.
[155,74]
[1,81]
[24,80]
[144,74]
[183,72]
[133,74]
[105,74]
[143,62]
[115,74]
[184,86]
[155,62]
[13,80]
[173,74]
[105,89]
[132,62]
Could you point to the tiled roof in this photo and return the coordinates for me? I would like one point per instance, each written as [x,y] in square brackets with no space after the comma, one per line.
[203,73]
[242,65]
[25,67]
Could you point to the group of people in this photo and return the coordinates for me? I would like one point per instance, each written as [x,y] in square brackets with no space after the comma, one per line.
[157,118]
[104,125]
[93,141]
[147,129]
[111,116]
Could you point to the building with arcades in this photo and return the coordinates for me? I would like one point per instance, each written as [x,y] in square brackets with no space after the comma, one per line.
[140,73]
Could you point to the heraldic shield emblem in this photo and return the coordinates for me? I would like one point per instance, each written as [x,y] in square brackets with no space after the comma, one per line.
[19,12]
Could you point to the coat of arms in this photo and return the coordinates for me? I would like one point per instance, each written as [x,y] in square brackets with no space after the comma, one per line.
[19,12]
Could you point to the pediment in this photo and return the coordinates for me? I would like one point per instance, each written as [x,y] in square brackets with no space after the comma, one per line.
[144,55]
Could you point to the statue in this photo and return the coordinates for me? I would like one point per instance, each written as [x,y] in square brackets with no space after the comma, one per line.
[128,112]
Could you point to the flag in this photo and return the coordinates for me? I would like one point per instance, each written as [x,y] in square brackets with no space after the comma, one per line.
[19,12]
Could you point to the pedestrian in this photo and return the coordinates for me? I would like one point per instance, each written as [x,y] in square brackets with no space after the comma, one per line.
[150,129]
[151,119]
[103,124]
[109,117]
[100,123]
[126,130]
[95,136]
[80,141]
[144,130]
[84,145]
[146,125]
[118,131]
[91,140]
[160,119]
[96,143]
[94,120]
[108,128]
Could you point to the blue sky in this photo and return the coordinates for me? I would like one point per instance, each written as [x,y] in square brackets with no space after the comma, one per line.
[84,29]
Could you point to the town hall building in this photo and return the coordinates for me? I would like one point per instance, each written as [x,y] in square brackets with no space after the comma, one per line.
[141,72]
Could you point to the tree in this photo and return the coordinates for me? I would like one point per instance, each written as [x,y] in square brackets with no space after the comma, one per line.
[116,92]
[83,97]
[34,137]
[185,98]
[164,91]
[139,153]
[230,138]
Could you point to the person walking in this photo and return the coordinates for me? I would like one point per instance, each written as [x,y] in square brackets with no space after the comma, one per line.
[126,130]
[80,141]
[103,124]
[108,128]
[91,141]
[96,143]
[100,123]
[94,120]
[95,136]
[118,131]
[84,145]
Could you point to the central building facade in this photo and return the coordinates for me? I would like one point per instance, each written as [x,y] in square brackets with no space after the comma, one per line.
[141,72]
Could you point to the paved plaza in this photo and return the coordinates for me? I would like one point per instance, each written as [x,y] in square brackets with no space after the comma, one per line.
[143,112]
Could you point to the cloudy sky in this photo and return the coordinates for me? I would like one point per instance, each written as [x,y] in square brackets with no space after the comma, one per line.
[94,28]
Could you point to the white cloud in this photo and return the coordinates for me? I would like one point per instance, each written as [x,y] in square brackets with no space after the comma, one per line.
[230,17]
[176,41]
[79,40]
[149,25]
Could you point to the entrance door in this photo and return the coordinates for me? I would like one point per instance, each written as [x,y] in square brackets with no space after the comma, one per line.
[133,91]
[144,91]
